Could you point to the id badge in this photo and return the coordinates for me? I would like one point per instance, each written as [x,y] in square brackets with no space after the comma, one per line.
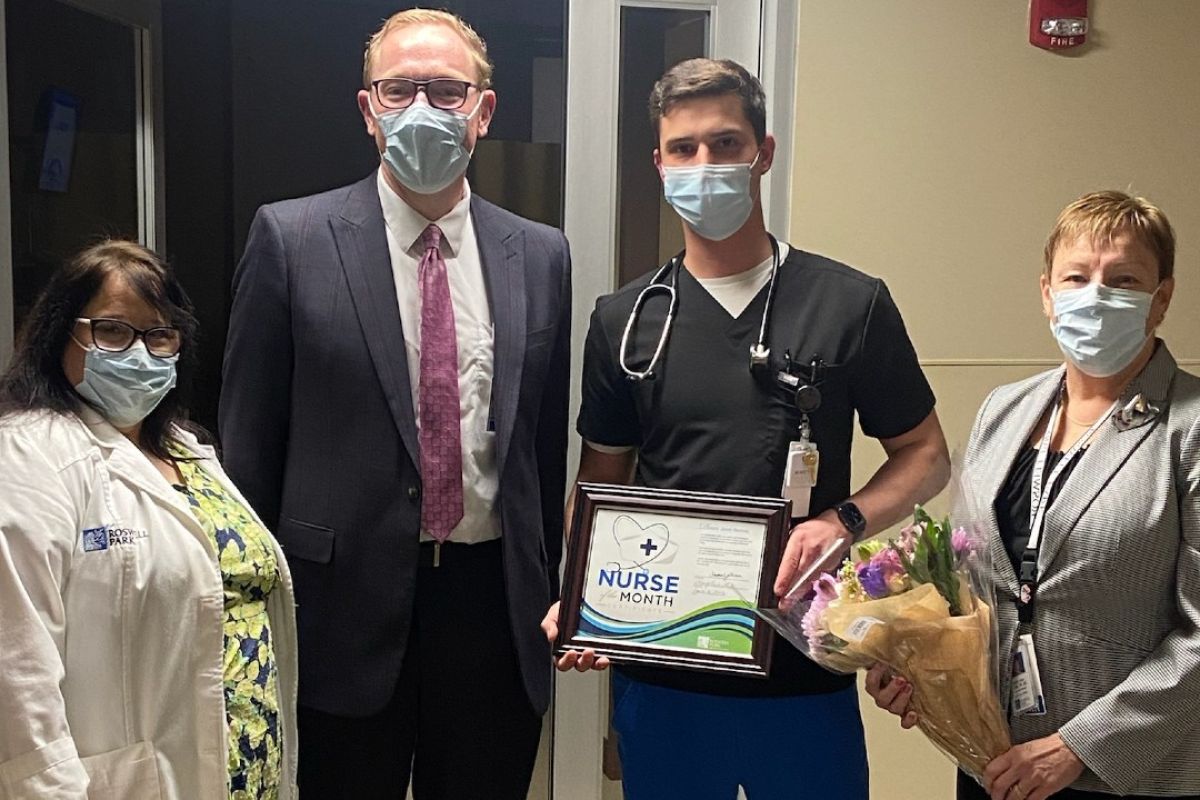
[800,476]
[1027,696]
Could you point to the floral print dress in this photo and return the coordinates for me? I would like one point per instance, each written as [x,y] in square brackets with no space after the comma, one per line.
[249,572]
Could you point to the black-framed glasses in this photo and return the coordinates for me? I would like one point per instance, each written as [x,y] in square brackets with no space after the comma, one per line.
[447,94]
[115,336]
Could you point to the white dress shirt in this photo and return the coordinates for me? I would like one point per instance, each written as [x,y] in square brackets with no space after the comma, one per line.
[475,334]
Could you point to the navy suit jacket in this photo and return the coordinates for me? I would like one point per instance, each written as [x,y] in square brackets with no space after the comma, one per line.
[318,429]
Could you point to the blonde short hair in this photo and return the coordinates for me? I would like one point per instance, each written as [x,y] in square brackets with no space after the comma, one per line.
[429,16]
[1102,216]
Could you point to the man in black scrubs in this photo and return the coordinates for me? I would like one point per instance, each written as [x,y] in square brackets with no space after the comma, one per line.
[704,422]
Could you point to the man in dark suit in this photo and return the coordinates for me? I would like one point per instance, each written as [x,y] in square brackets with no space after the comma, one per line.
[394,406]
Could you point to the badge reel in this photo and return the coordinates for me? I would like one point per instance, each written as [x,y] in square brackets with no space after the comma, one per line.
[804,460]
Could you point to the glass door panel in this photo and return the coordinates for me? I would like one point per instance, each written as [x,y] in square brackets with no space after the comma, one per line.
[74,139]
[652,41]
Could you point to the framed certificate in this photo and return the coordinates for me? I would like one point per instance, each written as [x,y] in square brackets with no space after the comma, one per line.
[672,578]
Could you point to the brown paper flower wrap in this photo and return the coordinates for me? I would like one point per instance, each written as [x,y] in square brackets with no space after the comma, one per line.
[944,658]
[920,605]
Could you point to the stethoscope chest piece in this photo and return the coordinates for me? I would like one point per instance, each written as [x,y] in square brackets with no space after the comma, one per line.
[760,356]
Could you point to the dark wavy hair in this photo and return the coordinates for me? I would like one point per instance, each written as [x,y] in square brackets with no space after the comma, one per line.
[35,380]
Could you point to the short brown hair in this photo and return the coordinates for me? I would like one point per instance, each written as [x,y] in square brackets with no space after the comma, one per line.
[1102,216]
[429,16]
[706,77]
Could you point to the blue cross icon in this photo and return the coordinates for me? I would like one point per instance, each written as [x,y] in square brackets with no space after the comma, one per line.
[649,547]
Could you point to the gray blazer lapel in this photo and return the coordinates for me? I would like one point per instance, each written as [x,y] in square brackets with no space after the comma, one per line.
[502,249]
[361,239]
[1013,431]
[1105,455]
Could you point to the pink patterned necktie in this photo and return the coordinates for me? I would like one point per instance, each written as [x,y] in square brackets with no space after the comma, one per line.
[440,436]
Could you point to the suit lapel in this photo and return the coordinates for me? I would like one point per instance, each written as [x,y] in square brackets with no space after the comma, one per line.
[1105,456]
[502,251]
[1013,433]
[361,239]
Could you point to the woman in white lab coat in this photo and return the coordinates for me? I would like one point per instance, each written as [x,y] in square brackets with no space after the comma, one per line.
[147,633]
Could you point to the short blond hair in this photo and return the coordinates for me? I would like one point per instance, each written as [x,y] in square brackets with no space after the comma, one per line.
[430,16]
[1102,216]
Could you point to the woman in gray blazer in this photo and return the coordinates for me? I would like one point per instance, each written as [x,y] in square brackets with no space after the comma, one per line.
[1093,473]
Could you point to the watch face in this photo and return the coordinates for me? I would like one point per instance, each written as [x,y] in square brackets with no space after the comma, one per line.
[852,518]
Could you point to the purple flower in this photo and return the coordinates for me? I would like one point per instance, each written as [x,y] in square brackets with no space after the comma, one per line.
[813,623]
[889,561]
[826,587]
[960,543]
[873,579]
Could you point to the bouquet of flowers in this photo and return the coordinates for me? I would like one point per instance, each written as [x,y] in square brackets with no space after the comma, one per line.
[917,604]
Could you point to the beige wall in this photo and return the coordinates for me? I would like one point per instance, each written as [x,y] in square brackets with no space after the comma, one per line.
[934,147]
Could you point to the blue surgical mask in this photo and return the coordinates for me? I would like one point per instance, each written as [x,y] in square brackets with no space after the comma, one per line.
[1100,329]
[713,199]
[424,147]
[125,387]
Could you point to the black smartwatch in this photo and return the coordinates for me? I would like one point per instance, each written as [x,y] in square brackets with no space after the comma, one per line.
[852,519]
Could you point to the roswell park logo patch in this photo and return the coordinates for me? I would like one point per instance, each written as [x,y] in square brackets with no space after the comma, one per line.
[106,536]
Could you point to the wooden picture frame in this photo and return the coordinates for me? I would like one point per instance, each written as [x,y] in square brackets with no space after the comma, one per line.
[672,578]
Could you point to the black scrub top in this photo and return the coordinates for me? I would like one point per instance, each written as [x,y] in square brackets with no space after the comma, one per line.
[706,424]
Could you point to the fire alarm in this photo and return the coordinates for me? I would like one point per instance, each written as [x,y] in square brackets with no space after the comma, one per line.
[1058,24]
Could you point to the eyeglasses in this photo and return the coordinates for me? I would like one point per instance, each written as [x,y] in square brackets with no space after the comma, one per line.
[444,93]
[115,336]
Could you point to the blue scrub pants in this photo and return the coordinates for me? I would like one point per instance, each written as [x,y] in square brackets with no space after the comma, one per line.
[696,746]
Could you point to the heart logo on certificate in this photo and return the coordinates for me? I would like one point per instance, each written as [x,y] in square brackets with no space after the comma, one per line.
[641,546]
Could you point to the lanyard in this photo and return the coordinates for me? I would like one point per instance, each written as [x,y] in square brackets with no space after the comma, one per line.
[1039,489]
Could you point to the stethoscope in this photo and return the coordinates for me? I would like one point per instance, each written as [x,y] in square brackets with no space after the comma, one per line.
[802,389]
[760,353]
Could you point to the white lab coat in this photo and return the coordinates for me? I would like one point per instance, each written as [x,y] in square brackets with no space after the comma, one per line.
[111,614]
